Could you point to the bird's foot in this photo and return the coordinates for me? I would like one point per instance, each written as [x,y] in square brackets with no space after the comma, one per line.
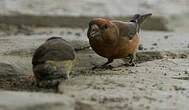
[49,83]
[105,65]
[102,67]
[130,64]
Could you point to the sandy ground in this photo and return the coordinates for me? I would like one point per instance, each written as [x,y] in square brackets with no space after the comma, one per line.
[152,85]
[160,78]
[158,82]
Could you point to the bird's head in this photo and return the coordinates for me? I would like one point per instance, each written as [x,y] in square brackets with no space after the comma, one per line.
[102,29]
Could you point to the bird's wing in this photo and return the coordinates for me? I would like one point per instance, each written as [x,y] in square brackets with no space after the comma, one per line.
[56,49]
[126,29]
[39,53]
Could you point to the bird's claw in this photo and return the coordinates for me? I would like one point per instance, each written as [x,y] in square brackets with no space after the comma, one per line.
[130,64]
[102,67]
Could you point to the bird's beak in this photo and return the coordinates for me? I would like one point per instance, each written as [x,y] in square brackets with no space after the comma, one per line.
[95,30]
[146,15]
[143,17]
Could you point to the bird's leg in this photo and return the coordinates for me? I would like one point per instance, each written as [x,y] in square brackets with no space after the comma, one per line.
[132,59]
[110,60]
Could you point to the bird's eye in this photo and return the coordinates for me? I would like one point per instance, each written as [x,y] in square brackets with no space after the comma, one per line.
[105,26]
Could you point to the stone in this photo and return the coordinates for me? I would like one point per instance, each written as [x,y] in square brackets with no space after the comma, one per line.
[140,47]
[34,101]
[88,105]
[7,69]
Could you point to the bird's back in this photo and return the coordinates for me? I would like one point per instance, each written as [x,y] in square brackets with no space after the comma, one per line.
[128,39]
[52,61]
[53,49]
[126,29]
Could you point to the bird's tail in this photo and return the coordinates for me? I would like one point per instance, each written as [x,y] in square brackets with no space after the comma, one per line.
[139,19]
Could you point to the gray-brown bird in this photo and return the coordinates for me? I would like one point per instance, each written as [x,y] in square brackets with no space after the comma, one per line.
[115,39]
[53,61]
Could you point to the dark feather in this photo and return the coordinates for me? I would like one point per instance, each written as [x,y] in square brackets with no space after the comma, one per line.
[53,49]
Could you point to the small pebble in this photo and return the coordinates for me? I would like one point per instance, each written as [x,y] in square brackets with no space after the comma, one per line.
[186,72]
[62,33]
[147,107]
[188,46]
[166,37]
[151,48]
[160,101]
[160,88]
[90,55]
[28,33]
[69,32]
[78,34]
[72,95]
[165,74]
[170,96]
[155,44]
[50,32]
[183,56]
[140,47]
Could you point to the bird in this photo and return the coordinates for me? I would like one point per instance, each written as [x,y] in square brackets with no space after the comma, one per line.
[53,61]
[114,39]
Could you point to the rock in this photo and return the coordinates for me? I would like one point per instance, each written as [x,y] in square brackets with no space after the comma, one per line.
[34,101]
[140,47]
[88,105]
[166,37]
[154,44]
[186,72]
[7,69]
[78,34]
[152,48]
[69,32]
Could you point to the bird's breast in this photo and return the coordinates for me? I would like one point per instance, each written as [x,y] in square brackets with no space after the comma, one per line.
[123,48]
[102,48]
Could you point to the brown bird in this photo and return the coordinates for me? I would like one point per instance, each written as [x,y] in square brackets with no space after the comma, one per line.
[115,39]
[53,61]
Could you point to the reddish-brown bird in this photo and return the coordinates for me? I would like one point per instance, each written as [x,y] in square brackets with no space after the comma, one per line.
[115,39]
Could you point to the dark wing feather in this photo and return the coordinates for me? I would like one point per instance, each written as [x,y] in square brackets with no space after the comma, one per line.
[53,49]
[127,29]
